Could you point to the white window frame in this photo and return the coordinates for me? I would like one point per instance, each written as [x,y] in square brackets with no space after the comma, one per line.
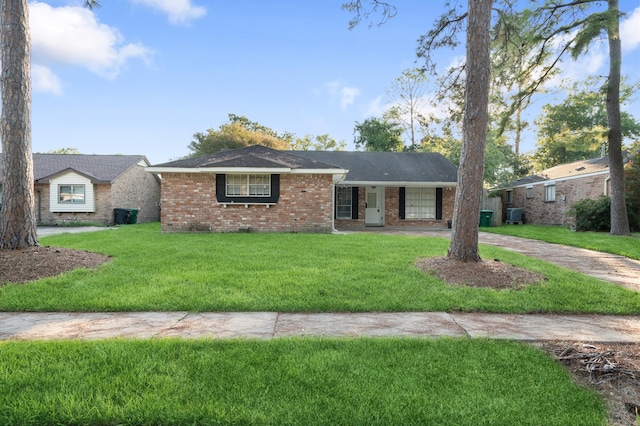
[344,202]
[530,191]
[70,197]
[419,203]
[248,185]
[550,192]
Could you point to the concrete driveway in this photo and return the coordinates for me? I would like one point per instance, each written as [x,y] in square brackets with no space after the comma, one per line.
[43,231]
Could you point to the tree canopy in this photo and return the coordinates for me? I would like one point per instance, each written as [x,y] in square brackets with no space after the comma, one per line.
[577,129]
[240,132]
[237,133]
[408,97]
[378,134]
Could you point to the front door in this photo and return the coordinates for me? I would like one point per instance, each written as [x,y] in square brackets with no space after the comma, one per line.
[373,213]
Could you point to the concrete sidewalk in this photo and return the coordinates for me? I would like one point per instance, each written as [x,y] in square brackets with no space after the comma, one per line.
[266,325]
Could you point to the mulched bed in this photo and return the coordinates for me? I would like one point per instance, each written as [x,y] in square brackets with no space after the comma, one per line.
[22,266]
[612,370]
[486,273]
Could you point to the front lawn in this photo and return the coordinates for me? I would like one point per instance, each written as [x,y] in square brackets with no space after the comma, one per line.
[289,381]
[599,241]
[151,271]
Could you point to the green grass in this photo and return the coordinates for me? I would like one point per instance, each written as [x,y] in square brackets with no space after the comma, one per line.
[599,241]
[289,381]
[152,271]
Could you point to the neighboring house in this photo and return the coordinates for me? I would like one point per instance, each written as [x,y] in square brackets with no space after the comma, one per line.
[266,190]
[546,197]
[87,188]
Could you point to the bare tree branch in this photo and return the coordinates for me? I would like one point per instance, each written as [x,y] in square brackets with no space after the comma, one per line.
[367,9]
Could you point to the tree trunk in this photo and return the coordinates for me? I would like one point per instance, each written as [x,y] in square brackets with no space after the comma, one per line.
[619,217]
[17,218]
[466,211]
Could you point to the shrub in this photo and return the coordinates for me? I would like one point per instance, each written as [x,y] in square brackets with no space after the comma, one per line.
[592,215]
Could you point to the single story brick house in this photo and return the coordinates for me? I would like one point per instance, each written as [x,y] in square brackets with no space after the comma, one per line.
[87,188]
[546,197]
[265,190]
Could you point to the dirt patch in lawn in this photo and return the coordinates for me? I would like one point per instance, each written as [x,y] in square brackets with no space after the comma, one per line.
[22,266]
[486,273]
[612,370]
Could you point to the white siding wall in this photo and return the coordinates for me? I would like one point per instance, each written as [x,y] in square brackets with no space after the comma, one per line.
[71,179]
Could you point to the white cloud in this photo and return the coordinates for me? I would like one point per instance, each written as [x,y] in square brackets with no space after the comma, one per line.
[375,108]
[348,96]
[73,35]
[44,80]
[629,34]
[178,11]
[345,95]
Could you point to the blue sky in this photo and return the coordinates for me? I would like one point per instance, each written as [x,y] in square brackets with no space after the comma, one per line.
[142,76]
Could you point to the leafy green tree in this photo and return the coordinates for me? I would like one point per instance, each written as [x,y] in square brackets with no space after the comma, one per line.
[554,30]
[239,132]
[577,128]
[317,143]
[64,151]
[511,91]
[375,134]
[407,94]
[560,28]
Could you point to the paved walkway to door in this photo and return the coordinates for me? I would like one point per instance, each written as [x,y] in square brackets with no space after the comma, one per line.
[609,267]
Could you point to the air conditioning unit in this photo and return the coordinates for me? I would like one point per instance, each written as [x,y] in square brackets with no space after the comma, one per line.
[514,215]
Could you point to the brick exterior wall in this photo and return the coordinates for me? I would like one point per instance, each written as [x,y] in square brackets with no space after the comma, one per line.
[189,204]
[392,210]
[135,188]
[536,210]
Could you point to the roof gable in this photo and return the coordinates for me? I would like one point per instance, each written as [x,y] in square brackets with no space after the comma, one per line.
[576,168]
[98,168]
[566,171]
[256,156]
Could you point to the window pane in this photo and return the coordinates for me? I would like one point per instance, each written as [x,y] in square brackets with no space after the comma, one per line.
[550,193]
[249,185]
[71,194]
[420,203]
[77,193]
[343,203]
[65,194]
[259,185]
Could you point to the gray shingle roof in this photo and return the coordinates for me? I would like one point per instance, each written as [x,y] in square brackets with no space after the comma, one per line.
[417,167]
[576,168]
[99,168]
[408,167]
[253,156]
